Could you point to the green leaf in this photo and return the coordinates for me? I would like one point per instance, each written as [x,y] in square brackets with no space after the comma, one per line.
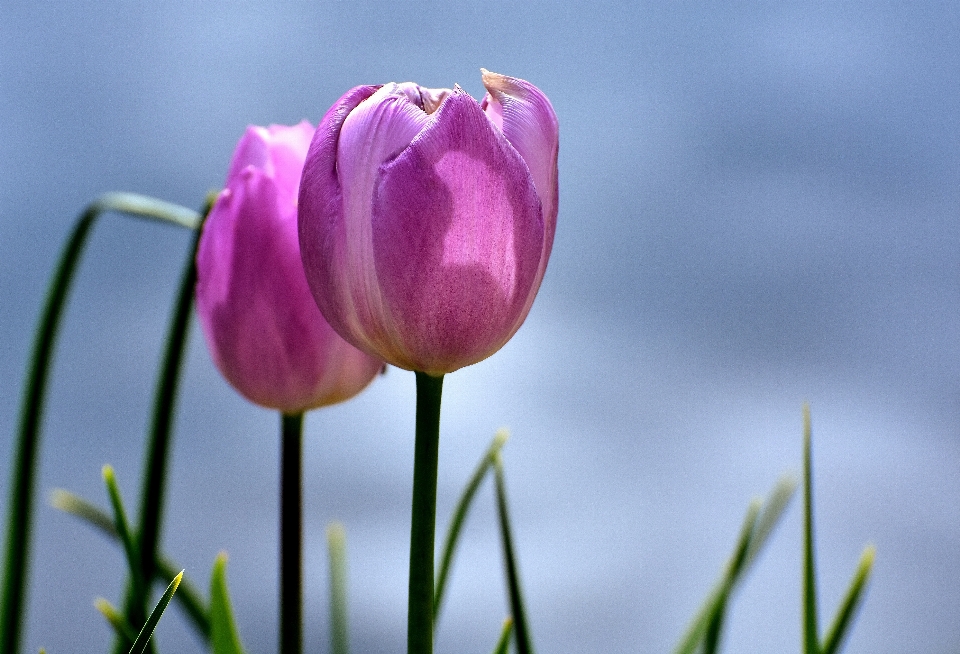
[713,608]
[90,513]
[223,629]
[773,509]
[503,643]
[758,523]
[143,639]
[524,644]
[121,627]
[460,515]
[120,526]
[337,546]
[851,603]
[187,595]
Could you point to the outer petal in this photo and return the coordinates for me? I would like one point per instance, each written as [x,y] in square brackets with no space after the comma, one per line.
[457,236]
[277,150]
[264,331]
[366,128]
[527,119]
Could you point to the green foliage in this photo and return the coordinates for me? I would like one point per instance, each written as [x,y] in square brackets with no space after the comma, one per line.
[121,627]
[503,643]
[707,626]
[855,592]
[165,569]
[143,639]
[522,631]
[224,638]
[460,515]
[121,529]
[337,547]
[26,460]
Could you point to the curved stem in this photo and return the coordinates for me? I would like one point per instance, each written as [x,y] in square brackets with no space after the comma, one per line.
[158,448]
[25,463]
[424,515]
[291,534]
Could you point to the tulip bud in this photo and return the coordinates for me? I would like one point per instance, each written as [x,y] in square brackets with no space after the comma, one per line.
[262,327]
[427,219]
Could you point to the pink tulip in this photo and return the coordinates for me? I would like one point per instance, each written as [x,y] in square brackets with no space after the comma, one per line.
[427,219]
[262,327]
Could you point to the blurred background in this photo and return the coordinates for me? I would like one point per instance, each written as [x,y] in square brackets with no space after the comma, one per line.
[758,207]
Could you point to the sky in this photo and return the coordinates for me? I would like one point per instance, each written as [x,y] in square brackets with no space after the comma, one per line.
[758,208]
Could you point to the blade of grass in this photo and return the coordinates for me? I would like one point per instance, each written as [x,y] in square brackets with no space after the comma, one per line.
[187,595]
[503,643]
[25,462]
[120,525]
[224,638]
[524,644]
[777,502]
[811,639]
[460,515]
[711,640]
[851,603]
[337,547]
[88,512]
[716,600]
[119,623]
[758,524]
[143,639]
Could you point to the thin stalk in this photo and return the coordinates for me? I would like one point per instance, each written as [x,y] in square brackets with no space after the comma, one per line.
[811,639]
[520,627]
[26,460]
[424,515]
[851,602]
[460,516]
[157,456]
[291,534]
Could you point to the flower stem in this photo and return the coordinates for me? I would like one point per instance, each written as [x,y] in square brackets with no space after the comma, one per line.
[291,534]
[424,517]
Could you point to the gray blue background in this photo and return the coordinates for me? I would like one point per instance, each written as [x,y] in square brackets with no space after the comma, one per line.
[758,207]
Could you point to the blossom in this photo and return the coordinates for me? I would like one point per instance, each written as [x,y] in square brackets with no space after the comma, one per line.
[427,218]
[262,327]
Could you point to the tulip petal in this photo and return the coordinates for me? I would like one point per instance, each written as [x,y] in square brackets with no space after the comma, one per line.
[277,150]
[457,237]
[265,332]
[527,119]
[338,248]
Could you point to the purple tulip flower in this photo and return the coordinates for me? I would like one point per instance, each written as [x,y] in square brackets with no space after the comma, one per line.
[261,324]
[427,219]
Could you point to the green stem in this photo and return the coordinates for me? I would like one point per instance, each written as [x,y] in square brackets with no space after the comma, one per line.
[811,639]
[424,515]
[337,545]
[291,534]
[16,565]
[157,455]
